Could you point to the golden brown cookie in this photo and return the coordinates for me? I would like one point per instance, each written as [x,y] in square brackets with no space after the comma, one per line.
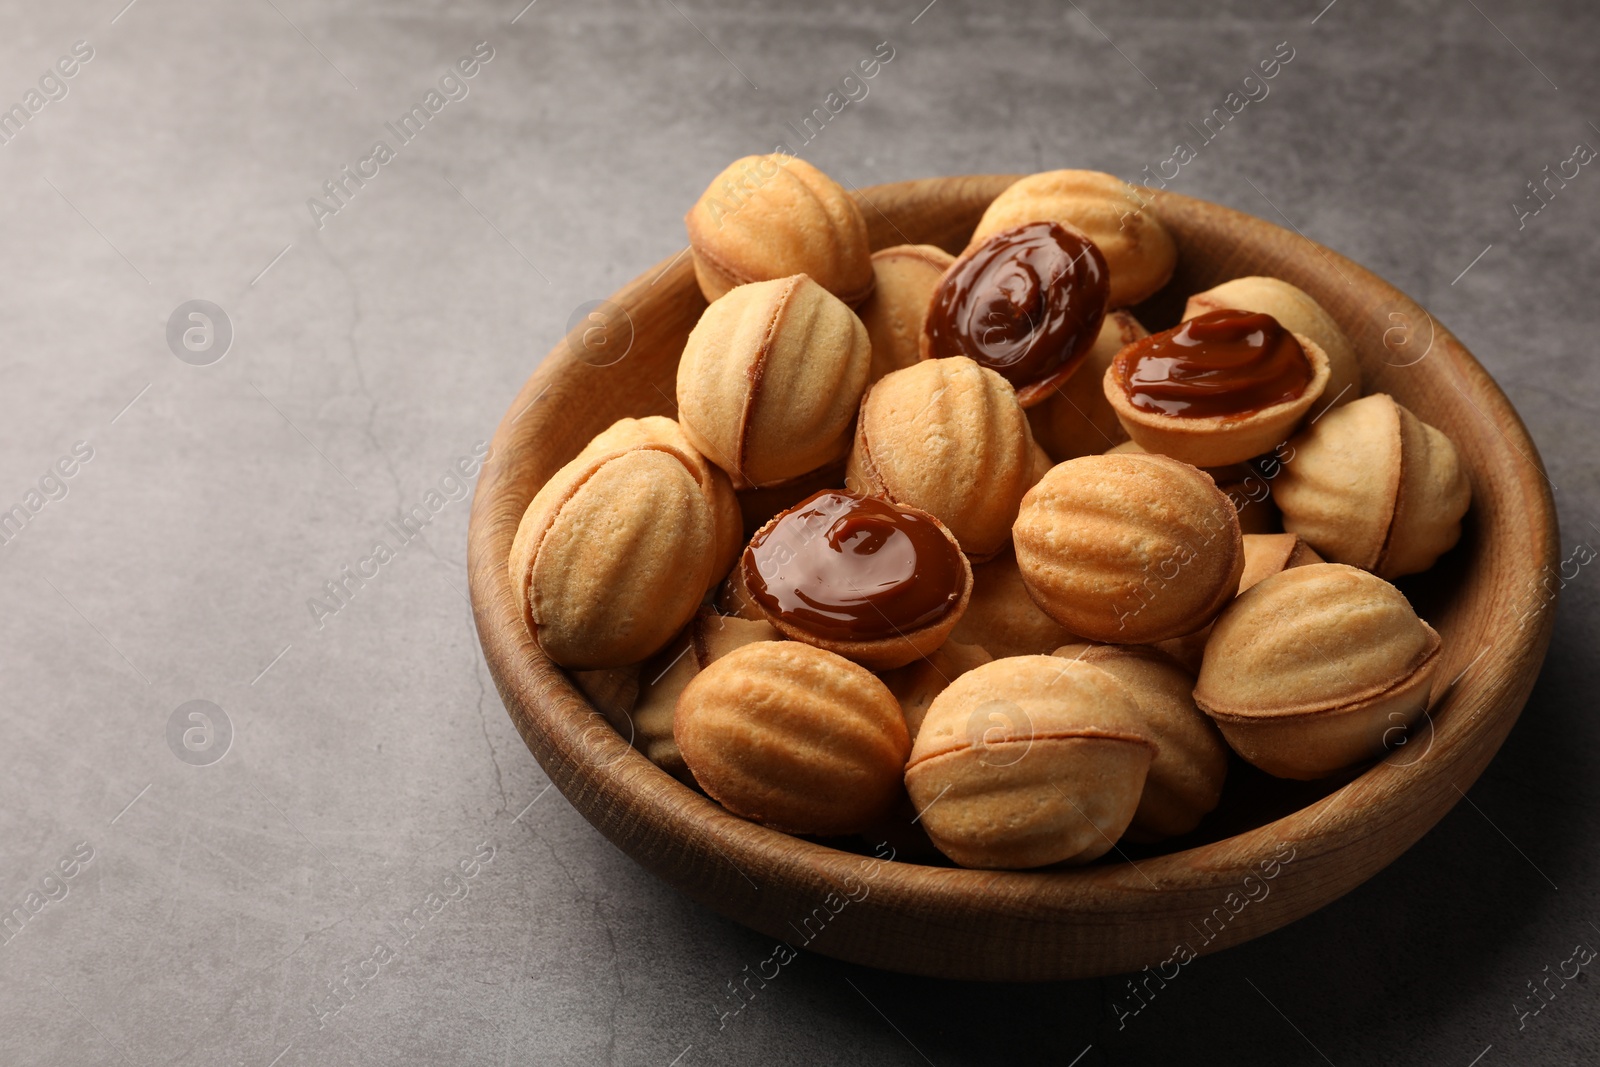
[946,436]
[1129,549]
[768,217]
[658,429]
[1267,554]
[613,691]
[793,737]
[1298,312]
[1372,485]
[1188,650]
[613,555]
[1029,761]
[770,380]
[1313,669]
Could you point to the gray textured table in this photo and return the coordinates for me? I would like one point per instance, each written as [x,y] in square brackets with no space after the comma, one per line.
[376,871]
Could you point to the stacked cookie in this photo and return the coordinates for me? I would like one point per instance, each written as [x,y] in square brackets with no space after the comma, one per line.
[958,537]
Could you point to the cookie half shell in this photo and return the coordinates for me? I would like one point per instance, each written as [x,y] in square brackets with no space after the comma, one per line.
[1218,440]
[1299,313]
[906,276]
[1076,419]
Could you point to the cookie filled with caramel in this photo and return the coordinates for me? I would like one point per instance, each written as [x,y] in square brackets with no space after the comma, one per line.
[1121,220]
[1217,389]
[1027,303]
[876,582]
[1296,310]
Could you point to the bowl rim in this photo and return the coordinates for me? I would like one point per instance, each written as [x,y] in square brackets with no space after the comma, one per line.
[700,848]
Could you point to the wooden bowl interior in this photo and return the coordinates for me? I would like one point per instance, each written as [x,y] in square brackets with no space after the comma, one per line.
[1135,907]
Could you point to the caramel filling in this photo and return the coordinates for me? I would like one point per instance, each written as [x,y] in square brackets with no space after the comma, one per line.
[1027,303]
[1223,363]
[853,568]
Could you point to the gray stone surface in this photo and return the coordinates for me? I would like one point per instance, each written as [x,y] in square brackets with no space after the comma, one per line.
[370,757]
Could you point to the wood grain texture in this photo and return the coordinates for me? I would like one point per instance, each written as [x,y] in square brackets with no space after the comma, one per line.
[1114,916]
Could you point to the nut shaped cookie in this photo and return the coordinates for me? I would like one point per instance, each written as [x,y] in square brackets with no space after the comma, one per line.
[948,437]
[1434,497]
[1300,314]
[1077,419]
[793,737]
[658,429]
[1029,761]
[1185,780]
[1129,549]
[707,638]
[770,380]
[1373,486]
[772,216]
[1313,669]
[906,276]
[612,557]
[613,691]
[1002,617]
[1136,244]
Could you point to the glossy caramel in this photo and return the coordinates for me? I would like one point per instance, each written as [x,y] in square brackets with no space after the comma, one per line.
[1027,303]
[853,568]
[1223,363]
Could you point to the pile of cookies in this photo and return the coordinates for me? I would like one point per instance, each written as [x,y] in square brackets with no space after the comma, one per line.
[956,540]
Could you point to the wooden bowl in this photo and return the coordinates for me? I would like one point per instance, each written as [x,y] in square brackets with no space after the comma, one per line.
[1232,882]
